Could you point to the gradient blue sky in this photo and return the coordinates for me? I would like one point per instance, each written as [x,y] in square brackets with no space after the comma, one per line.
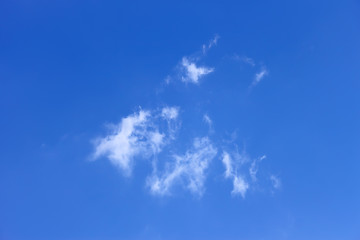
[246,79]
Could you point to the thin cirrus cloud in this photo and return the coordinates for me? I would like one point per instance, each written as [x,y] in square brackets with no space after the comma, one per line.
[212,43]
[192,73]
[188,170]
[170,113]
[208,121]
[245,59]
[189,70]
[259,76]
[142,135]
[254,167]
[248,60]
[276,182]
[152,135]
[240,185]
[136,135]
[235,164]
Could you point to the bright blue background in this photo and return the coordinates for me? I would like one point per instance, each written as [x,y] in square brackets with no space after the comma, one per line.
[68,67]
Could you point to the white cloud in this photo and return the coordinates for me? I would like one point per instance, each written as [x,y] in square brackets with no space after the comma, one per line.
[188,69]
[142,135]
[207,119]
[275,181]
[124,143]
[167,80]
[235,163]
[248,60]
[254,167]
[156,140]
[146,134]
[245,59]
[228,165]
[170,113]
[188,170]
[240,186]
[209,122]
[136,135]
[259,76]
[211,43]
[193,73]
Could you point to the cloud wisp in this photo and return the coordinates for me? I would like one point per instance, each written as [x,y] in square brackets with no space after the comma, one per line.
[153,136]
[145,134]
[212,43]
[137,135]
[254,167]
[141,136]
[276,182]
[259,76]
[240,185]
[188,69]
[236,165]
[188,170]
[193,73]
[245,59]
[209,122]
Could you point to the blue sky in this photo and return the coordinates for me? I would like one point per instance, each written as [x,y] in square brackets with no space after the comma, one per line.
[179,120]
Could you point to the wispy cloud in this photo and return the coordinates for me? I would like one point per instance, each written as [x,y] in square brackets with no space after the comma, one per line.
[211,43]
[188,70]
[240,186]
[254,167]
[136,135]
[245,59]
[235,164]
[154,135]
[227,161]
[276,182]
[144,135]
[248,60]
[188,170]
[193,73]
[170,113]
[209,122]
[259,76]
[207,119]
